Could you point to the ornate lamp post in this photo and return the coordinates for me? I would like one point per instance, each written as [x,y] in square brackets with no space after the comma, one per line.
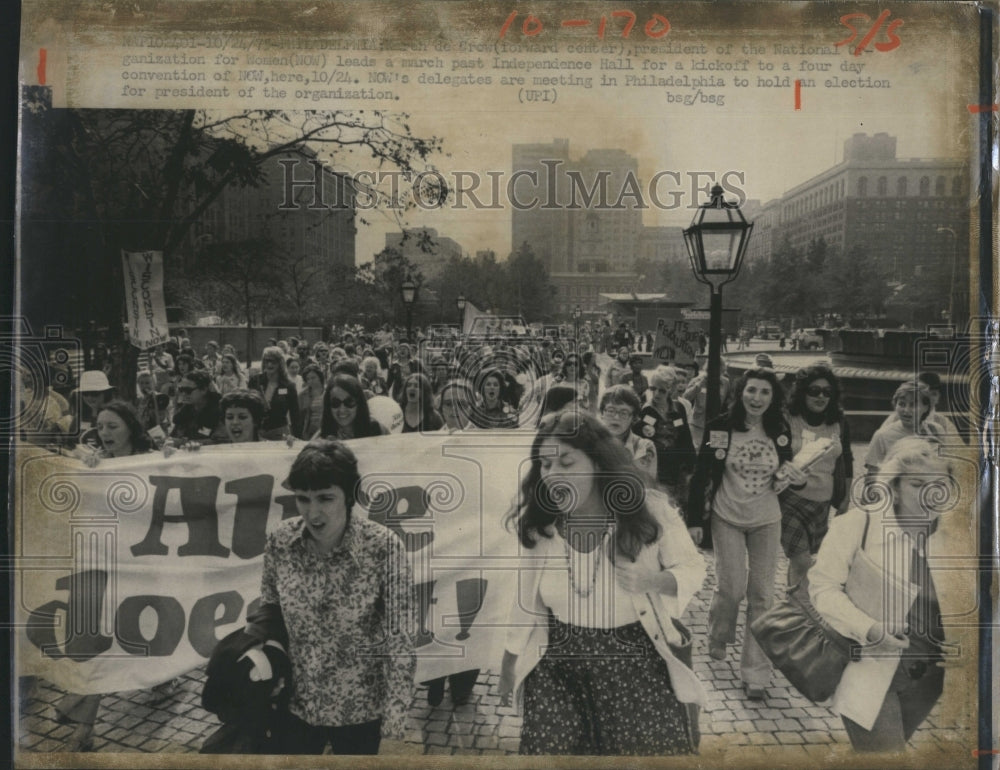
[716,243]
[409,291]
[576,324]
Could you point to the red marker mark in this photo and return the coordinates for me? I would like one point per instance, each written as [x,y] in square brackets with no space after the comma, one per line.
[798,94]
[576,23]
[980,752]
[41,66]
[890,32]
[974,108]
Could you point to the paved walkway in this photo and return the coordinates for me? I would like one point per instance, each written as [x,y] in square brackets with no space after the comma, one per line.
[171,719]
[785,727]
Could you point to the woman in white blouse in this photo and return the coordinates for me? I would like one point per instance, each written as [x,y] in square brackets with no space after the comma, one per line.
[593,636]
[878,559]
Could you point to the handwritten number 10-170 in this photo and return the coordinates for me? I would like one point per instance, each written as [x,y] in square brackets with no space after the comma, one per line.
[656,27]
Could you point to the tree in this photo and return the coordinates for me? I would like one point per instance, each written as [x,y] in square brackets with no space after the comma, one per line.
[856,284]
[140,179]
[247,272]
[300,285]
[529,292]
[384,276]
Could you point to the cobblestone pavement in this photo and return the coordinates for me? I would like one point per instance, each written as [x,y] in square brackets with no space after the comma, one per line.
[784,726]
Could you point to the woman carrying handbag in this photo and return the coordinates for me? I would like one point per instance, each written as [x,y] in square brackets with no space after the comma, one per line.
[883,596]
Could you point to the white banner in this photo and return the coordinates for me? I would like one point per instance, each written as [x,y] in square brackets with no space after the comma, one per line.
[130,572]
[147,311]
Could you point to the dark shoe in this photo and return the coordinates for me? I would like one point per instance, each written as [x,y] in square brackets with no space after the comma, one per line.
[435,692]
[717,651]
[753,692]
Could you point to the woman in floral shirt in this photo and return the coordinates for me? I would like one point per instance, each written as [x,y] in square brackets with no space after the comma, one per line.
[343,584]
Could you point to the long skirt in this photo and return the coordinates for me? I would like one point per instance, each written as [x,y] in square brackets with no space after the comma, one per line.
[602,692]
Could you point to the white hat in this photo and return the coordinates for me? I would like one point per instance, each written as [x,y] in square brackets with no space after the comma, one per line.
[93,381]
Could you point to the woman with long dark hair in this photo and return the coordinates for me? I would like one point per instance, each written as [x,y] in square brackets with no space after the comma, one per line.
[311,400]
[815,418]
[280,394]
[345,411]
[417,401]
[737,482]
[608,570]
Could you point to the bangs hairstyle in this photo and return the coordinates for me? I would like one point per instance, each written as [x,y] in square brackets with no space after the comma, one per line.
[250,400]
[624,395]
[325,463]
[919,394]
[772,420]
[914,456]
[276,354]
[622,490]
[804,378]
[362,417]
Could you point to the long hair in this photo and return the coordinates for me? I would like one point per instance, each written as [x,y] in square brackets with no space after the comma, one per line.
[773,419]
[362,418]
[622,491]
[136,433]
[806,377]
[236,365]
[484,375]
[274,353]
[426,392]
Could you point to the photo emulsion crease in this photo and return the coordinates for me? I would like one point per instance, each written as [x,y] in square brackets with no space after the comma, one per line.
[504,381]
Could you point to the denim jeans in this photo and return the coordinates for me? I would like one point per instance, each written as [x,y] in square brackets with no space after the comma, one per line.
[746,560]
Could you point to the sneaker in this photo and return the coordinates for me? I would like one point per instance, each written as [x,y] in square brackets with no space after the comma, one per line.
[717,651]
[754,692]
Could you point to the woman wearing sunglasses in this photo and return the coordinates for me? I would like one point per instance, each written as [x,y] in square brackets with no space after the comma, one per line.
[345,411]
[814,414]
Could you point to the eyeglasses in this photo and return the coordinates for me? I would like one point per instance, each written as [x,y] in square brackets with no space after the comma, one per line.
[815,391]
[185,389]
[623,412]
[336,403]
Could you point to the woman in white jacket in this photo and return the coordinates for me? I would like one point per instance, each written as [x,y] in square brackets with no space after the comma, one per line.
[607,569]
[883,697]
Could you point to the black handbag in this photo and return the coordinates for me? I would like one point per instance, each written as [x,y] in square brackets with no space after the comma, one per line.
[802,645]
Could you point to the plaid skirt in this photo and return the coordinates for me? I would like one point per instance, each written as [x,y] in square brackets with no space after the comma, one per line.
[804,523]
[602,692]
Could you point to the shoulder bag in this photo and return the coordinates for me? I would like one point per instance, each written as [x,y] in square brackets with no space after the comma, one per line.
[803,646]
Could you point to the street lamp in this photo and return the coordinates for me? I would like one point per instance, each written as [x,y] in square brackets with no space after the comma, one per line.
[716,243]
[460,303]
[576,324]
[409,291]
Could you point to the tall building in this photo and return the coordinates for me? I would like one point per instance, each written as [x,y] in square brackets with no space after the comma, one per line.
[425,248]
[301,206]
[581,217]
[902,211]
[537,216]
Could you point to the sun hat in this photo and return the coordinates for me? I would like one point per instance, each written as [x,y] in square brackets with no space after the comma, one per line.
[93,381]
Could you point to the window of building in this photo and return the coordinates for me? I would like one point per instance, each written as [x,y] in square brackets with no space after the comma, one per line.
[863,187]
[925,186]
[901,187]
[939,187]
[883,186]
[956,186]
